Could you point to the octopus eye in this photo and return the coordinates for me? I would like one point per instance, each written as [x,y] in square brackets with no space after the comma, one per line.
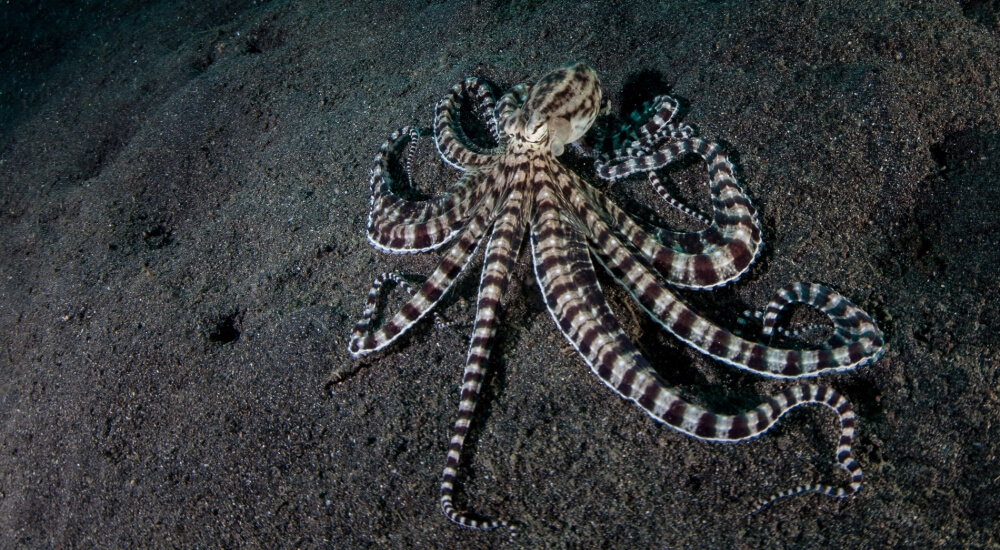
[536,127]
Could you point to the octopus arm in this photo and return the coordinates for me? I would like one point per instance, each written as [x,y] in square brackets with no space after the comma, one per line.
[400,225]
[856,339]
[566,275]
[453,143]
[365,340]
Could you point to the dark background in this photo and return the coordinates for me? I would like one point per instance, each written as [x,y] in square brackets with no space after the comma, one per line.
[183,190]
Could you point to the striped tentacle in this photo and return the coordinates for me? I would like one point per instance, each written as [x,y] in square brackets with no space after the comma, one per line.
[801,331]
[856,341]
[705,259]
[651,126]
[401,282]
[609,164]
[364,340]
[385,187]
[501,252]
[398,225]
[453,144]
[653,122]
[510,102]
[674,202]
[574,299]
[824,395]
[662,126]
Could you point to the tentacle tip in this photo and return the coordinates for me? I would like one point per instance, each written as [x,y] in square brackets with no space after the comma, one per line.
[513,527]
[764,503]
[359,353]
[828,490]
[761,504]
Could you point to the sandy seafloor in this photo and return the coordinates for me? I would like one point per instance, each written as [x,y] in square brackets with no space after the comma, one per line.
[184,187]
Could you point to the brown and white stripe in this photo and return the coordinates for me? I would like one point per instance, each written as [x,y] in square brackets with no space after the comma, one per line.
[364,340]
[704,259]
[453,144]
[399,225]
[509,104]
[569,286]
[519,185]
[504,243]
[856,339]
[674,202]
[653,122]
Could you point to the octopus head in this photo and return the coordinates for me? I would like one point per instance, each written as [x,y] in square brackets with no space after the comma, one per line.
[559,109]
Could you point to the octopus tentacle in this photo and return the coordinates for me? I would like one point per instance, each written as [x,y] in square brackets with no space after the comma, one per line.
[453,144]
[571,224]
[386,204]
[653,122]
[396,224]
[504,243]
[365,341]
[576,303]
[654,127]
[704,259]
[510,102]
[674,202]
[856,341]
[607,164]
[401,237]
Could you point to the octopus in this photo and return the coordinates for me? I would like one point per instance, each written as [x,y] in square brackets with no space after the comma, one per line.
[513,186]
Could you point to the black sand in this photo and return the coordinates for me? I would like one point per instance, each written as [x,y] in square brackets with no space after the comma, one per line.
[184,189]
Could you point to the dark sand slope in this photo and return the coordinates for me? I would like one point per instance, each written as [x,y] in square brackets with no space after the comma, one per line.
[184,189]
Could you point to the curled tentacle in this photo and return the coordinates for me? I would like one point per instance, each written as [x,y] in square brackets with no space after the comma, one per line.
[396,224]
[856,341]
[510,102]
[674,202]
[569,286]
[453,144]
[712,257]
[704,259]
[653,122]
[364,340]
